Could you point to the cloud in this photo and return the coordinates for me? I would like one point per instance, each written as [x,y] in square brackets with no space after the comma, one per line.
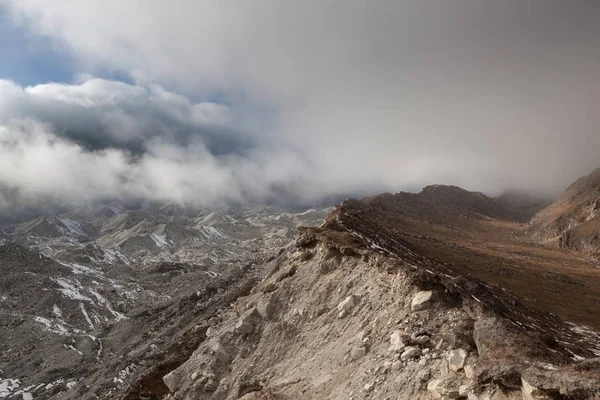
[334,97]
[72,144]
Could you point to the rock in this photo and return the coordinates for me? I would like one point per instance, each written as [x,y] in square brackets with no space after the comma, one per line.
[446,388]
[211,386]
[153,348]
[269,287]
[347,304]
[456,359]
[218,349]
[265,309]
[369,386]
[397,342]
[424,375]
[469,371]
[342,314]
[410,353]
[530,392]
[172,380]
[421,339]
[463,390]
[244,327]
[421,301]
[472,396]
[358,352]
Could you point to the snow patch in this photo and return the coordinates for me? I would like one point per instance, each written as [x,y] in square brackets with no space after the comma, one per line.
[85,314]
[75,228]
[7,386]
[160,240]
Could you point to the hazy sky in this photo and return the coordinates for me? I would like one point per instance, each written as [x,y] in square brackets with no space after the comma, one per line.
[207,102]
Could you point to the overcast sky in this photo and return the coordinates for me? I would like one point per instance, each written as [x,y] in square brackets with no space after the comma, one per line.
[204,102]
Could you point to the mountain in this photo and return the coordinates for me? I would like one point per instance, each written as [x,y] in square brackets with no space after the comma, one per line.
[439,294]
[573,220]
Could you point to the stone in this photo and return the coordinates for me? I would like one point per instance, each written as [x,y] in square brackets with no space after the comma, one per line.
[265,309]
[172,380]
[269,287]
[469,371]
[421,301]
[347,304]
[369,386]
[410,353]
[472,396]
[358,352]
[217,348]
[195,375]
[153,348]
[446,388]
[421,339]
[244,327]
[463,390]
[396,341]
[396,365]
[456,359]
[530,392]
[342,314]
[424,375]
[211,386]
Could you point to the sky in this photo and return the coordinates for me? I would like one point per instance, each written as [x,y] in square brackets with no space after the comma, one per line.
[208,103]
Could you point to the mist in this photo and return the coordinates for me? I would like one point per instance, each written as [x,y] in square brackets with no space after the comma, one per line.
[301,102]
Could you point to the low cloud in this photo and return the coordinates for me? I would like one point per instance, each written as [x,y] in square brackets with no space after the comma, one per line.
[103,140]
[322,98]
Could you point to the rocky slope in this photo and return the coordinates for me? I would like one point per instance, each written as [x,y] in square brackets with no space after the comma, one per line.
[573,220]
[433,295]
[441,294]
[80,290]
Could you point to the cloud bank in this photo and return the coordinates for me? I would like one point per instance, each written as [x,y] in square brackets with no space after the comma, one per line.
[326,98]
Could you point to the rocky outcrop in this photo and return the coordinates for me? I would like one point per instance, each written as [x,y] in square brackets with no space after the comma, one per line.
[381,347]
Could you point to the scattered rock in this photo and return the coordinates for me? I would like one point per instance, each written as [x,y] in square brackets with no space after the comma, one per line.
[531,392]
[469,371]
[347,304]
[410,353]
[265,309]
[269,287]
[446,388]
[421,301]
[244,327]
[211,385]
[421,339]
[358,352]
[456,359]
[397,342]
[218,349]
[424,375]
[172,380]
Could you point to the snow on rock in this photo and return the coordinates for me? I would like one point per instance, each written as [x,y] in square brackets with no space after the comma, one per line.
[8,386]
[71,289]
[74,228]
[160,240]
